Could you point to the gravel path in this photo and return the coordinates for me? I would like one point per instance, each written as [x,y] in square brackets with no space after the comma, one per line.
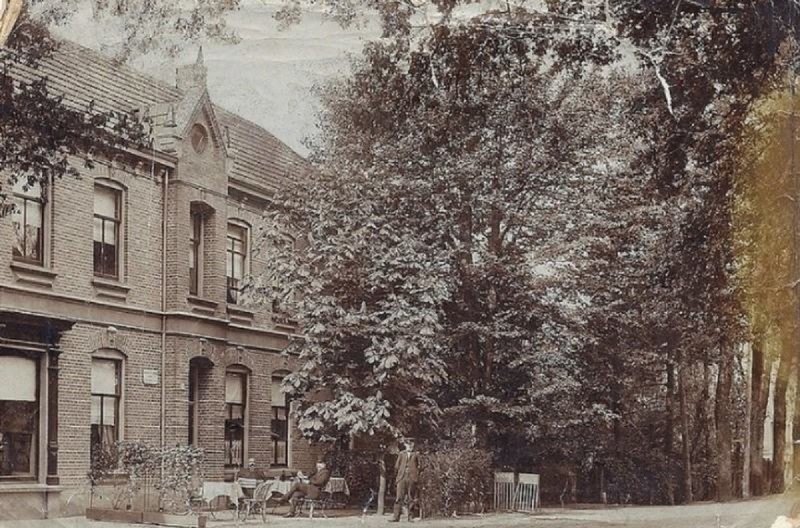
[742,514]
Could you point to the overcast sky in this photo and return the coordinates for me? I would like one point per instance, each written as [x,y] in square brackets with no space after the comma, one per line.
[269,75]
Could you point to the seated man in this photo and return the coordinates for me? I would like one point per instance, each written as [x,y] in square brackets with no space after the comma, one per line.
[310,489]
[249,477]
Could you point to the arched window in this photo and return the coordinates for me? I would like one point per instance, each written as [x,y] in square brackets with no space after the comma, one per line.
[198,372]
[235,415]
[280,422]
[28,219]
[106,401]
[108,232]
[237,257]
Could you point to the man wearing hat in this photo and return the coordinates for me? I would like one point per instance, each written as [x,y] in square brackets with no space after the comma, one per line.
[249,477]
[310,489]
[406,471]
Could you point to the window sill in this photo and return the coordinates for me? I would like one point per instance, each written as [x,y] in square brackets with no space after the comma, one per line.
[240,315]
[202,305]
[285,323]
[33,274]
[26,487]
[110,288]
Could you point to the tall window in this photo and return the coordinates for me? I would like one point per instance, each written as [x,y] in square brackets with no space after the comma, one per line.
[194,381]
[195,253]
[236,260]
[280,424]
[28,221]
[107,220]
[19,417]
[235,414]
[105,407]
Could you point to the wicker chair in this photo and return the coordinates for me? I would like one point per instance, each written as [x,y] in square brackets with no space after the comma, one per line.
[257,504]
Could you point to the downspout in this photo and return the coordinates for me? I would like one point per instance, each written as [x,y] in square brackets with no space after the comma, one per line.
[162,377]
[165,182]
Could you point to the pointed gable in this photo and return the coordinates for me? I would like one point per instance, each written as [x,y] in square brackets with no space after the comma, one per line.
[196,106]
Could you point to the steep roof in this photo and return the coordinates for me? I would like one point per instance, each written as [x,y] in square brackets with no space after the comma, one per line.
[259,157]
[82,75]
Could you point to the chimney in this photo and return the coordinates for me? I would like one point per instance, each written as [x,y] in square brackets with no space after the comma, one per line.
[192,75]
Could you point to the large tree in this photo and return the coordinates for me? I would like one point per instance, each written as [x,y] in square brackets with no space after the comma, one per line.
[434,274]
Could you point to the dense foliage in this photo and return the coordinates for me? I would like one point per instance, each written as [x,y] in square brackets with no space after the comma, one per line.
[619,312]
[428,278]
[555,224]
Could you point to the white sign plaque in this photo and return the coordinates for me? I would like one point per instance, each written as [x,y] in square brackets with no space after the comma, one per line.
[150,376]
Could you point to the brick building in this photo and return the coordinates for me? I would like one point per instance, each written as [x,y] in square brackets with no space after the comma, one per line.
[120,313]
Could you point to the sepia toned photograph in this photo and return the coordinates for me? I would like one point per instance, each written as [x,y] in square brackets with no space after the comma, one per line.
[352,263]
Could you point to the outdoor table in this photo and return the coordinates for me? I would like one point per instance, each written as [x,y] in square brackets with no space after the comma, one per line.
[281,486]
[232,490]
[337,485]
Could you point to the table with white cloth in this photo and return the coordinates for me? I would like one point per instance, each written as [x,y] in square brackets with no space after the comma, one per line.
[337,485]
[280,486]
[232,490]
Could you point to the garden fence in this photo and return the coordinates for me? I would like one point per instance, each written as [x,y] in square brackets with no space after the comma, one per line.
[518,493]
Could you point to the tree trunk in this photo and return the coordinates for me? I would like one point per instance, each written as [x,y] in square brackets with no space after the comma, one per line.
[779,404]
[381,487]
[669,430]
[758,413]
[724,430]
[748,390]
[687,452]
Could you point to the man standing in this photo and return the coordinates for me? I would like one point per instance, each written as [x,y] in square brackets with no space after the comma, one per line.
[406,471]
[310,489]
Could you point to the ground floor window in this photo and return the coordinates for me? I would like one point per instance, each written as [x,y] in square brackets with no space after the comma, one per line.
[235,417]
[105,406]
[194,382]
[19,416]
[280,424]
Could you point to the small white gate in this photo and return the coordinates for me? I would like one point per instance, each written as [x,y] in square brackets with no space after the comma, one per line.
[527,493]
[503,492]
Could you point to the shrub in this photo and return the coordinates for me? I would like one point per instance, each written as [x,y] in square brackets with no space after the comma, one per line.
[455,480]
[181,475]
[130,467]
[127,466]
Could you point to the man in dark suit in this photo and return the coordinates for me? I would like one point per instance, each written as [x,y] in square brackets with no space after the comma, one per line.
[406,471]
[306,488]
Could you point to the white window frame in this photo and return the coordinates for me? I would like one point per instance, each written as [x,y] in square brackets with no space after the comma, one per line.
[122,228]
[245,227]
[121,359]
[240,370]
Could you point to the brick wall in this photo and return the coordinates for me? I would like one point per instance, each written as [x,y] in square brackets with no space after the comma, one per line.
[127,318]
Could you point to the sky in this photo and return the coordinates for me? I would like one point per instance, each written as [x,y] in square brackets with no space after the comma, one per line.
[267,77]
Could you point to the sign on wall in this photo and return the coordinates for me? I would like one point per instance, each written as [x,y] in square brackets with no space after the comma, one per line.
[150,376]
